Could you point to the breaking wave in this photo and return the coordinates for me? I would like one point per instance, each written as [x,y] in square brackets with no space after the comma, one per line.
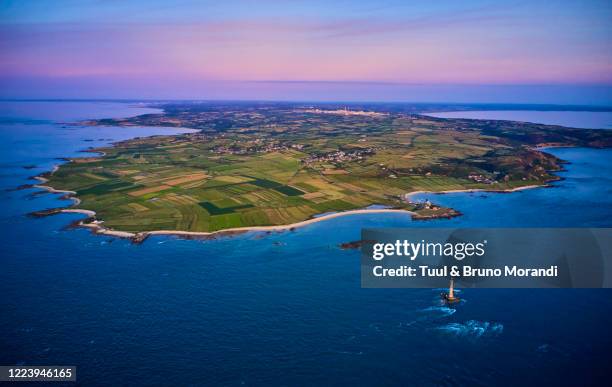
[473,328]
[439,311]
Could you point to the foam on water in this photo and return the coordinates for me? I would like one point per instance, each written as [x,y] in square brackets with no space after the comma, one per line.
[473,328]
[439,311]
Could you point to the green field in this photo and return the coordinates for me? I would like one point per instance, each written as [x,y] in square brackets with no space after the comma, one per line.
[280,165]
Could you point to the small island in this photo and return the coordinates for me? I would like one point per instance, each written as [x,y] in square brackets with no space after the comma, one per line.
[272,166]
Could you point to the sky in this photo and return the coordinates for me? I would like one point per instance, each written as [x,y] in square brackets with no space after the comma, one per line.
[444,51]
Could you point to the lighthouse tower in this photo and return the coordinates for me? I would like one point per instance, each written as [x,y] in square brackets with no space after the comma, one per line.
[450,296]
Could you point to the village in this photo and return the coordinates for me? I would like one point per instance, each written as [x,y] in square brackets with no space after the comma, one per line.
[346,112]
[256,146]
[340,156]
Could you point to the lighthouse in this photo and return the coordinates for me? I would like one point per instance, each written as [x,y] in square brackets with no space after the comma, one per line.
[450,296]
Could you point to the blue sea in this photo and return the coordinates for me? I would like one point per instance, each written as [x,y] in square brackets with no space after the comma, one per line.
[282,308]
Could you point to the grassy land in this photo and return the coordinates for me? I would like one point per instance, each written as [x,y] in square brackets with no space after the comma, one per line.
[275,165]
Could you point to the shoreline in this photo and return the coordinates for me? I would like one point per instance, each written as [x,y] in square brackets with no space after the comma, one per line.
[97,227]
[280,227]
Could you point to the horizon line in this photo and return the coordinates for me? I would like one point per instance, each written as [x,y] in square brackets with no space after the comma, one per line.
[161,100]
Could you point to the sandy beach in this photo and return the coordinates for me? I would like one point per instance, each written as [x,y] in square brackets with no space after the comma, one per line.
[282,227]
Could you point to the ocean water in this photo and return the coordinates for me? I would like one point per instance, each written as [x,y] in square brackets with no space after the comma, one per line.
[572,119]
[279,308]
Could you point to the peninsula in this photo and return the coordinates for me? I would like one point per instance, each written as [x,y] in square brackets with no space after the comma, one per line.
[272,165]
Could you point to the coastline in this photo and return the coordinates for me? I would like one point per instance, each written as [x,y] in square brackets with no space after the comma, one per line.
[279,227]
[97,227]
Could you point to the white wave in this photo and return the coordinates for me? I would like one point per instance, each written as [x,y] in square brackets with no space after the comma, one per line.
[441,311]
[473,328]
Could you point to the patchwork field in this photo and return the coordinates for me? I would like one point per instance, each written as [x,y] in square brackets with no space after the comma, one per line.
[255,166]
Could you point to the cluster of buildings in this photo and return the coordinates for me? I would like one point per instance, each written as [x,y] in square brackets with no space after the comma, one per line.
[340,156]
[480,179]
[421,205]
[256,146]
[346,112]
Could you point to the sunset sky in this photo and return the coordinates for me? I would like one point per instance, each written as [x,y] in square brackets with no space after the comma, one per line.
[478,51]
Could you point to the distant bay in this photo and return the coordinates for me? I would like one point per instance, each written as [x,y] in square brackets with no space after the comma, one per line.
[571,119]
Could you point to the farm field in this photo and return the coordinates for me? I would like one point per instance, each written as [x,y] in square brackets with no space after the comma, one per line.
[279,164]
